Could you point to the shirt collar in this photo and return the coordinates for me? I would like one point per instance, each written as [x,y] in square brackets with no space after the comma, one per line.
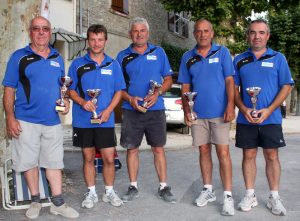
[53,51]
[214,47]
[105,60]
[149,47]
[269,51]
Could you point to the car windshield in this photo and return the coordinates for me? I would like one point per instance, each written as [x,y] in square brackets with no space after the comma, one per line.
[173,92]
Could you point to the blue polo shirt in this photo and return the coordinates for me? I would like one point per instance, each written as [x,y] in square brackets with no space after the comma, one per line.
[87,74]
[207,78]
[139,69]
[36,81]
[270,72]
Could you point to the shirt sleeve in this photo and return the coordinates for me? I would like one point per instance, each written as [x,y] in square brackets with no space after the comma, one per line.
[184,75]
[236,76]
[227,65]
[285,76]
[73,75]
[166,67]
[11,77]
[119,79]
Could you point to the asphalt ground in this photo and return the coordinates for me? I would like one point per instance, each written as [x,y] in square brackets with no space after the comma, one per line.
[184,178]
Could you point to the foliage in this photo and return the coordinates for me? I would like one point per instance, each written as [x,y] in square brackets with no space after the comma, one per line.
[285,35]
[174,54]
[229,17]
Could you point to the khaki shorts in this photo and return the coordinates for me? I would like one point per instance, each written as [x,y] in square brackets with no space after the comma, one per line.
[38,145]
[214,131]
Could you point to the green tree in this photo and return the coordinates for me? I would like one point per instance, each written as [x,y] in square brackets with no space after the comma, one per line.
[229,17]
[285,37]
[174,54]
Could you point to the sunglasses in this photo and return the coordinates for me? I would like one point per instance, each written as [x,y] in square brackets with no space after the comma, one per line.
[38,29]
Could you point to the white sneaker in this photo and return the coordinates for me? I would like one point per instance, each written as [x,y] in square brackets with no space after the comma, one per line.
[112,198]
[247,203]
[276,206]
[228,206]
[90,200]
[205,197]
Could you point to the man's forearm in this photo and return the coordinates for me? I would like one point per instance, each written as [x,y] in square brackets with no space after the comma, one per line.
[9,102]
[76,98]
[230,90]
[281,96]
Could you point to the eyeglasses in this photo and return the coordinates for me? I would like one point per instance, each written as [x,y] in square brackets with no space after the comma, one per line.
[38,29]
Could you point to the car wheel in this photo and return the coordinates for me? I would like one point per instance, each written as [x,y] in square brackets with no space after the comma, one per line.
[185,130]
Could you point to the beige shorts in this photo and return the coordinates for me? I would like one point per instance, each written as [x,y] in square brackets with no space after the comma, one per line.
[38,145]
[214,131]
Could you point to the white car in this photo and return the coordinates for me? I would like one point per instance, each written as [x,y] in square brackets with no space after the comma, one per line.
[174,111]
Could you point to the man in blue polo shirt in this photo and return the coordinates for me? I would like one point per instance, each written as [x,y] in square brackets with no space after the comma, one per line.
[207,69]
[142,62]
[31,90]
[263,68]
[96,70]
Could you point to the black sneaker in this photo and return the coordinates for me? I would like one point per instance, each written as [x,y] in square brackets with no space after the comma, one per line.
[166,194]
[131,193]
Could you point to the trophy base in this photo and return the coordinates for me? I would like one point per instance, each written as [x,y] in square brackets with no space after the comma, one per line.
[143,109]
[95,121]
[60,108]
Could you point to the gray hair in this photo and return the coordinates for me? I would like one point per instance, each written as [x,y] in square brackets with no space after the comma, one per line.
[203,20]
[260,20]
[138,20]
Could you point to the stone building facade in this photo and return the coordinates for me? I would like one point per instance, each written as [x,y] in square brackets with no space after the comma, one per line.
[101,11]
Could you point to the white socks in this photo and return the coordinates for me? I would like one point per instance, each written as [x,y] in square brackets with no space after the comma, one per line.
[209,187]
[162,185]
[274,194]
[109,190]
[92,189]
[249,192]
[227,194]
[134,184]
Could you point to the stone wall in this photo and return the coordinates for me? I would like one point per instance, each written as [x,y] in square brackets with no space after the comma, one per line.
[14,20]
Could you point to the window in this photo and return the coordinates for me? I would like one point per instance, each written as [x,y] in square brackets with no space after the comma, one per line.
[120,6]
[179,23]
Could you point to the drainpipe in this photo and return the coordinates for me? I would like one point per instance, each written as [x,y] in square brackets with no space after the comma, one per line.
[80,17]
[45,9]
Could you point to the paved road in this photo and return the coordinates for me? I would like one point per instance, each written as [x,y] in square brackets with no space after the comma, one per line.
[184,177]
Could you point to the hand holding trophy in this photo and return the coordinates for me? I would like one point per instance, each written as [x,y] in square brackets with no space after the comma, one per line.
[253,93]
[65,81]
[190,97]
[94,93]
[154,86]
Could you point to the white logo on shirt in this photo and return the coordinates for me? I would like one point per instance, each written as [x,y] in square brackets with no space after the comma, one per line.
[267,64]
[151,57]
[86,68]
[54,63]
[75,135]
[213,60]
[106,71]
[28,59]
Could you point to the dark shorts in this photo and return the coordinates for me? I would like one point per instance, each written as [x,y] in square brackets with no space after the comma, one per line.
[265,136]
[136,124]
[94,137]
